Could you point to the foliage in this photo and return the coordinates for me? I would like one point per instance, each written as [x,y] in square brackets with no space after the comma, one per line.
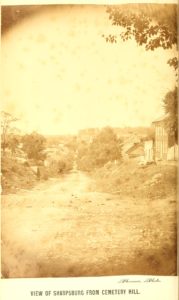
[104,147]
[150,25]
[33,145]
[153,26]
[60,163]
[171,110]
[15,175]
[61,166]
[7,130]
[13,142]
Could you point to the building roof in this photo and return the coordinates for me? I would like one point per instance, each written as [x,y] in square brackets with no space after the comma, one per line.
[127,146]
[137,149]
[160,119]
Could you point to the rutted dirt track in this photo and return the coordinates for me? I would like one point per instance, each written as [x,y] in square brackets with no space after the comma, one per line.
[61,228]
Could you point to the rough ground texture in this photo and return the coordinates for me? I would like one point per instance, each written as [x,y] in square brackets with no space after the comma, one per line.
[71,226]
[16,176]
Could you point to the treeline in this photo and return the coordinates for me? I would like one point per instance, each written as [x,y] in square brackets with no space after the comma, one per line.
[32,147]
[25,158]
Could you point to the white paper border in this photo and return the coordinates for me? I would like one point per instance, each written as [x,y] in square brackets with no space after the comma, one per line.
[160,287]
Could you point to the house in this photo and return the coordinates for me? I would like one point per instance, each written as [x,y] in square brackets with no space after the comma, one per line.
[136,151]
[133,150]
[131,147]
[164,147]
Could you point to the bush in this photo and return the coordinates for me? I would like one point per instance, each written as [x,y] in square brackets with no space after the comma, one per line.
[15,175]
[60,166]
[34,145]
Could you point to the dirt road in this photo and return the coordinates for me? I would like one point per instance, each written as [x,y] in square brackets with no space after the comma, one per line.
[61,228]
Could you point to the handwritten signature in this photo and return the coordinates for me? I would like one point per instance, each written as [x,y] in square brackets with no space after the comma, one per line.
[147,280]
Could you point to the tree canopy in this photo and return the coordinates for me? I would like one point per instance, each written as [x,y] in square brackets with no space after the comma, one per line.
[7,130]
[151,25]
[34,145]
[171,110]
[104,147]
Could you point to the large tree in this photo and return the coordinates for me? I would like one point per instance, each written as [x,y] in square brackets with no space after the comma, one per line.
[104,147]
[34,146]
[171,110]
[151,25]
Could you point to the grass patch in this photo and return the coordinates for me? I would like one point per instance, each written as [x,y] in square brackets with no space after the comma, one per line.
[128,179]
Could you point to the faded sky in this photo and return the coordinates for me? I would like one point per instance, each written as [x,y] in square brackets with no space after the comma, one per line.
[59,74]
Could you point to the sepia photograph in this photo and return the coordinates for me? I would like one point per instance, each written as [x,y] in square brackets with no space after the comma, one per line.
[89,140]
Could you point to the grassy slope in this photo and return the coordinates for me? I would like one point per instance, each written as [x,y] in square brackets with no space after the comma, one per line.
[16,175]
[128,179]
[153,191]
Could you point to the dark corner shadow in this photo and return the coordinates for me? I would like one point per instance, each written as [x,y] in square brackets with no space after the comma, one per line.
[161,262]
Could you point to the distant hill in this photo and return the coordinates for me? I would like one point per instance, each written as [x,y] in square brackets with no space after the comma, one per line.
[53,140]
[138,131]
[123,133]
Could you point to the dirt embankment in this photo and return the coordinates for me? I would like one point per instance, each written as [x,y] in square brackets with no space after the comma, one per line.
[155,181]
[16,176]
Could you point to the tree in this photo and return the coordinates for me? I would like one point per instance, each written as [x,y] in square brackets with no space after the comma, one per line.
[171,110]
[33,145]
[105,147]
[6,129]
[13,142]
[154,26]
[151,25]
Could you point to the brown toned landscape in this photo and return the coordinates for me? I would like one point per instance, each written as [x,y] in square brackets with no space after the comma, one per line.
[89,140]
[73,225]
